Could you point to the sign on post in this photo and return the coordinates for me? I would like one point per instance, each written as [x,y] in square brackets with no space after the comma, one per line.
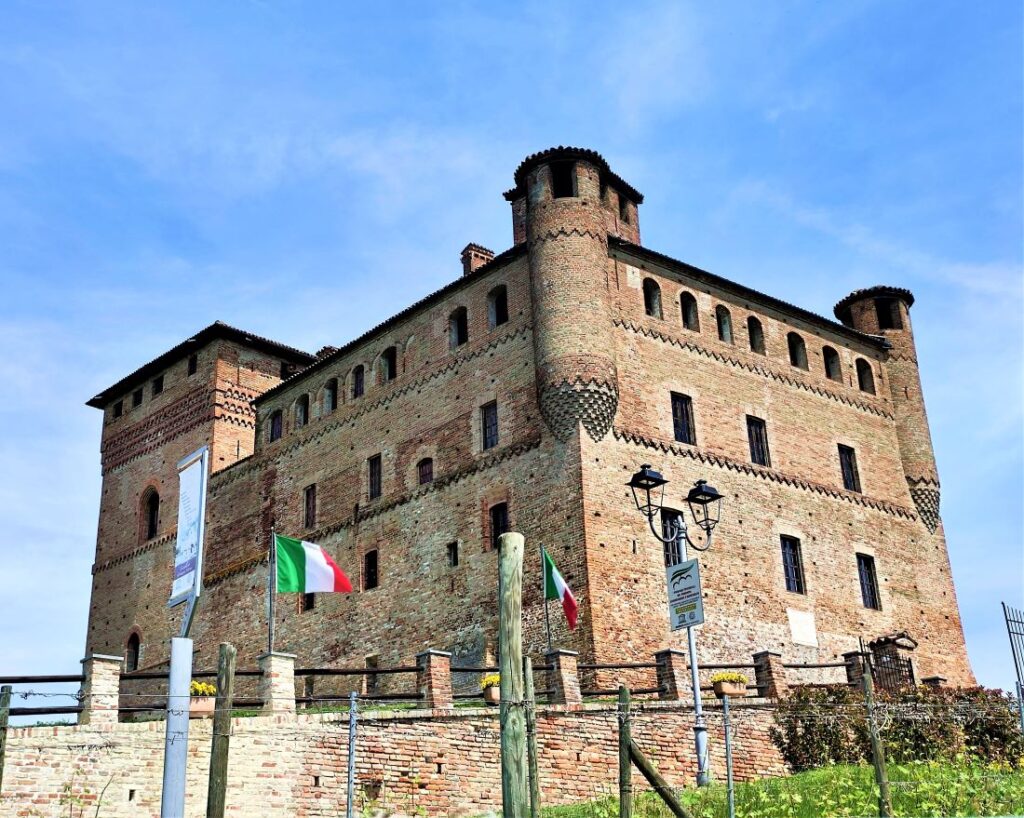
[187,582]
[685,603]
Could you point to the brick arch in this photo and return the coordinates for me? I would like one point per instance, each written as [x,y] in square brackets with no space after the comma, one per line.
[133,652]
[145,531]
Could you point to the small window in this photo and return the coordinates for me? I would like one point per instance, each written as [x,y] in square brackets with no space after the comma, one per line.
[374,468]
[623,209]
[358,381]
[137,398]
[688,308]
[563,180]
[797,350]
[724,320]
[848,466]
[302,411]
[193,364]
[287,370]
[276,425]
[370,578]
[370,689]
[682,419]
[888,312]
[757,435]
[132,651]
[453,555]
[489,425]
[389,364]
[309,506]
[119,409]
[158,384]
[308,604]
[425,471]
[792,565]
[755,335]
[330,396]
[151,514]
[865,377]
[652,298]
[868,582]
[458,328]
[497,307]
[671,526]
[499,523]
[833,369]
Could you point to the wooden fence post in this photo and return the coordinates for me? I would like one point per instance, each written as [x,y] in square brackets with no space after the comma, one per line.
[625,764]
[660,784]
[877,750]
[217,794]
[5,711]
[510,649]
[531,737]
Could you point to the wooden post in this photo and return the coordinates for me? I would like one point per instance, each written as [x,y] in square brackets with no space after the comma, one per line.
[877,750]
[217,794]
[510,649]
[5,711]
[660,784]
[625,765]
[531,737]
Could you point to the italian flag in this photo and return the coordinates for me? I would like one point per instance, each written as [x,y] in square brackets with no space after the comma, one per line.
[556,588]
[305,568]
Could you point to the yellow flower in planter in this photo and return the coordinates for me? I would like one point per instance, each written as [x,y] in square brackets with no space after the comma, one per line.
[490,680]
[729,676]
[202,689]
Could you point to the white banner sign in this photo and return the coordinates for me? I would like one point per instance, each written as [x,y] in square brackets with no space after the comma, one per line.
[685,602]
[188,550]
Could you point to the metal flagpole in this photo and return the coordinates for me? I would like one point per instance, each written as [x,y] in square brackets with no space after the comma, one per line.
[271,589]
[544,594]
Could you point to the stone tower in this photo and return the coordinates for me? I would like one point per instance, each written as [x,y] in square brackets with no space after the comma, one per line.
[885,311]
[565,205]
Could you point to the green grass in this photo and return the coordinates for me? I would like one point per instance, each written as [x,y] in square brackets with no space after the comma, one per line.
[918,789]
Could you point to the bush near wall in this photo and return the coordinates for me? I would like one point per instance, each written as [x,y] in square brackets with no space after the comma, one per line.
[815,727]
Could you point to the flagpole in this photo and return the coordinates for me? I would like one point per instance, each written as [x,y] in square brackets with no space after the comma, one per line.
[271,588]
[544,594]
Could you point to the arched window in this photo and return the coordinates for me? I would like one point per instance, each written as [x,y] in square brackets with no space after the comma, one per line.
[688,308]
[833,369]
[276,425]
[388,365]
[652,298]
[865,377]
[797,350]
[458,328]
[150,514]
[497,307]
[425,471]
[755,334]
[132,651]
[724,321]
[358,381]
[330,396]
[302,411]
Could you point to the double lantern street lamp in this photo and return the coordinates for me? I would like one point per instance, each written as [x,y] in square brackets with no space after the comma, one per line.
[705,506]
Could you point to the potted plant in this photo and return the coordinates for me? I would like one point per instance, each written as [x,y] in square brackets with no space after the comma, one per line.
[491,686]
[729,683]
[202,702]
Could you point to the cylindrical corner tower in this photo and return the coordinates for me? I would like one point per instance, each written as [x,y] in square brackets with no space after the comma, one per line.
[564,203]
[885,311]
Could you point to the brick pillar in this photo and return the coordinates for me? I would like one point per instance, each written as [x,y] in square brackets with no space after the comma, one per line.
[434,679]
[564,677]
[673,675]
[854,667]
[277,682]
[100,689]
[934,681]
[770,675]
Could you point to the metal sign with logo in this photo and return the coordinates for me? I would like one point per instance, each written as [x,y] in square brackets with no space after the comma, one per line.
[188,549]
[685,602]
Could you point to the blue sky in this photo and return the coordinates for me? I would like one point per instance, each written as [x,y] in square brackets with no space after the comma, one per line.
[304,170]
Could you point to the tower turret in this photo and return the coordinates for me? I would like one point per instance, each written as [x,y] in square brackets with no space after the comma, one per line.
[885,311]
[565,203]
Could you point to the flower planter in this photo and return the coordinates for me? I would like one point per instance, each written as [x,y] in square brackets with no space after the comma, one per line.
[492,695]
[201,707]
[734,689]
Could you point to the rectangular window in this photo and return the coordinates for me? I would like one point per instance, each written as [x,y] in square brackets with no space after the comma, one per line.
[563,179]
[308,602]
[370,680]
[792,565]
[682,419]
[370,570]
[848,464]
[888,312]
[670,527]
[158,384]
[489,424]
[137,398]
[499,523]
[193,364]
[868,582]
[119,408]
[453,555]
[374,464]
[357,382]
[757,434]
[309,498]
[425,471]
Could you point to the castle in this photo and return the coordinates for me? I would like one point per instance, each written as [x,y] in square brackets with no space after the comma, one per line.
[523,396]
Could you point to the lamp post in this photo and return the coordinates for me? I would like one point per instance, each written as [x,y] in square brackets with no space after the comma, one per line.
[705,506]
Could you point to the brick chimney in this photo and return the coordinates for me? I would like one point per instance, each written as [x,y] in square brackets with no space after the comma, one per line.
[474,256]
